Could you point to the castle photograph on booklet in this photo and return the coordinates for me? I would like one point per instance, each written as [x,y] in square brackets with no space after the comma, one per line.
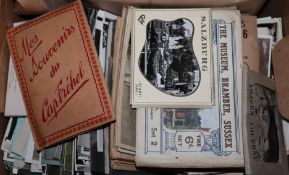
[59,73]
[171,58]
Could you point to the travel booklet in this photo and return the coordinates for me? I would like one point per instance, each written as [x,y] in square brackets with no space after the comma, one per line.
[172,58]
[59,73]
[189,137]
[264,145]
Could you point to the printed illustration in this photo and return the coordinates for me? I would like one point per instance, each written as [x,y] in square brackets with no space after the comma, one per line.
[168,60]
[265,111]
[200,131]
[182,118]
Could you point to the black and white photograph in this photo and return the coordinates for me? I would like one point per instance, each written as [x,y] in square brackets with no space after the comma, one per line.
[102,25]
[83,152]
[272,27]
[265,47]
[172,61]
[181,118]
[265,109]
[168,60]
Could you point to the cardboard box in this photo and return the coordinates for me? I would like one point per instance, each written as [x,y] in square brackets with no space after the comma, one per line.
[272,8]
[246,6]
[32,7]
[7,17]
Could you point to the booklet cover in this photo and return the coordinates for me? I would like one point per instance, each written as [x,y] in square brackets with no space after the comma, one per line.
[172,58]
[57,66]
[264,146]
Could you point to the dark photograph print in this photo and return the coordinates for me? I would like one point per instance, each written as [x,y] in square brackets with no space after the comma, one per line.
[168,60]
[181,118]
[265,110]
[265,47]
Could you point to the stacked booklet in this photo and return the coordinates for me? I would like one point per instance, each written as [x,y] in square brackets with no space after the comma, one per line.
[207,46]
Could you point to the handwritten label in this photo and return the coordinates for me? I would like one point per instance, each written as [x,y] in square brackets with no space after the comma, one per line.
[67,86]
[64,91]
[29,46]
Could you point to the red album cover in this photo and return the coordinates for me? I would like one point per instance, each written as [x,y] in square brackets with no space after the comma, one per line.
[59,73]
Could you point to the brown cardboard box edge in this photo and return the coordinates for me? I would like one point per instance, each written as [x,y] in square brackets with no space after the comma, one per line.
[268,10]
[250,42]
[280,56]
[7,17]
[33,7]
[246,6]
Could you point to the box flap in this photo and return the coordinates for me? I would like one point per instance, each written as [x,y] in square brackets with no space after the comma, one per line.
[6,18]
[280,58]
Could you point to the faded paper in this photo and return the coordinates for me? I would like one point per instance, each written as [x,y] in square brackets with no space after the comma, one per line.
[20,144]
[250,43]
[14,105]
[117,92]
[126,120]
